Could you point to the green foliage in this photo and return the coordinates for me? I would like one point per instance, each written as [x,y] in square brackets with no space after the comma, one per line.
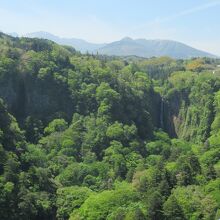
[190,203]
[57,125]
[98,137]
[70,198]
[98,206]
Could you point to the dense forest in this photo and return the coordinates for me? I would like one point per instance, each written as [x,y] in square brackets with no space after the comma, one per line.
[91,137]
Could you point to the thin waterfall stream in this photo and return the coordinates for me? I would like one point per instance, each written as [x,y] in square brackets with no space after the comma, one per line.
[161,112]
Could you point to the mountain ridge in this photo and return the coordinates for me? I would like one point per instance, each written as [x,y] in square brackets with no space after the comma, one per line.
[79,44]
[152,48]
[129,47]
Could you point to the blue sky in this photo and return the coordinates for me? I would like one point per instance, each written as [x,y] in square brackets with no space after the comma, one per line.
[195,22]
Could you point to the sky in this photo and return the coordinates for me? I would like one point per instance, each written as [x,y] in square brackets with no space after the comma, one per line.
[194,22]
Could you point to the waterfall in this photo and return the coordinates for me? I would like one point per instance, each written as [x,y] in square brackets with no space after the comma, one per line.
[161,112]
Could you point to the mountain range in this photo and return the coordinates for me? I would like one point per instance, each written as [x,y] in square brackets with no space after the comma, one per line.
[79,44]
[128,47]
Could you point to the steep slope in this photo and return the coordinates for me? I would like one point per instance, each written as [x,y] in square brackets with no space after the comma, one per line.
[43,80]
[92,144]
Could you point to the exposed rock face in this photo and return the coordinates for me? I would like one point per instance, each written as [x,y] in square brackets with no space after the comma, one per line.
[32,97]
[37,78]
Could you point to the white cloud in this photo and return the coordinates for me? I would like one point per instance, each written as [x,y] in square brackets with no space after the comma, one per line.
[189,11]
[158,21]
[93,29]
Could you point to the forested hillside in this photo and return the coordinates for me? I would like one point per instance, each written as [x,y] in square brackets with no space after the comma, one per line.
[90,137]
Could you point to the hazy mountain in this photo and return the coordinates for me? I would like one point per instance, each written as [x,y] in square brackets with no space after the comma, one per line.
[13,34]
[128,46]
[78,44]
[150,48]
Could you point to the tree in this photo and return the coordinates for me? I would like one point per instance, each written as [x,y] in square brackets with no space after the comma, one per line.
[172,209]
[155,202]
[99,206]
[57,125]
[70,199]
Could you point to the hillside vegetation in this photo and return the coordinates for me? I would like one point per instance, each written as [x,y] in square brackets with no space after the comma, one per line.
[90,137]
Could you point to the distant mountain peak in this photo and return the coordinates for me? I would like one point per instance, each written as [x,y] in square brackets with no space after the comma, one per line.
[13,34]
[127,39]
[79,44]
[152,48]
[128,46]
